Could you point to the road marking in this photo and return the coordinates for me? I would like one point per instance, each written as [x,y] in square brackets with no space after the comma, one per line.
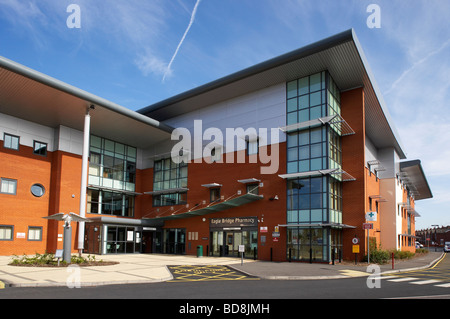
[444,285]
[424,282]
[354,273]
[206,273]
[403,279]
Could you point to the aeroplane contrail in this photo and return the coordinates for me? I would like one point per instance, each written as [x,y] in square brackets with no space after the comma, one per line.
[182,39]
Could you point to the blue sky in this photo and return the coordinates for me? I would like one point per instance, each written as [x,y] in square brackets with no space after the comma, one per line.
[123,48]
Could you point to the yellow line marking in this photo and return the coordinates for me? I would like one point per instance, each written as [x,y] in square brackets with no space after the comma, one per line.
[354,273]
[205,273]
[442,258]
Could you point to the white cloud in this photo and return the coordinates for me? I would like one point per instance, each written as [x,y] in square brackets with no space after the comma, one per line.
[149,63]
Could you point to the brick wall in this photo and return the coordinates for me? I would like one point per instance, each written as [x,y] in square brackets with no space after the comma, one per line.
[353,162]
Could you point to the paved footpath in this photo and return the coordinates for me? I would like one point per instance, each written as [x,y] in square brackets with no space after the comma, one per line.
[143,268]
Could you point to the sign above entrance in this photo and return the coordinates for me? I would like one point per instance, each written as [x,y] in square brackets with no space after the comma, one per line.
[233,222]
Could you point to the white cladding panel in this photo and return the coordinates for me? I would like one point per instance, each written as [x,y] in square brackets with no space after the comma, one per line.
[263,109]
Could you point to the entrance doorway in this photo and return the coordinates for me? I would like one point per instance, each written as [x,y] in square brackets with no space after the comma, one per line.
[225,243]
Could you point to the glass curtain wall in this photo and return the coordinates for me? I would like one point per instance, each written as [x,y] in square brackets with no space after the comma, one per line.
[112,168]
[313,200]
[169,175]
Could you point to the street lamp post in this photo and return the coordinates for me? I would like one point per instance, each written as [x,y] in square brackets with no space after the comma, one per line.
[435,236]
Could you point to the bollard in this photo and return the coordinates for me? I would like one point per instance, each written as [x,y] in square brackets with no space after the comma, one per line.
[392,260]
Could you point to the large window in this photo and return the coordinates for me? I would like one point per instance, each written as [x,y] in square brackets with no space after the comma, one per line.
[308,244]
[312,97]
[112,164]
[169,175]
[307,150]
[306,200]
[110,203]
[121,240]
[313,200]
[306,98]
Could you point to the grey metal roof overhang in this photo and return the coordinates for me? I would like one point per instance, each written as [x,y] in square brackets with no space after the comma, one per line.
[34,96]
[340,54]
[416,178]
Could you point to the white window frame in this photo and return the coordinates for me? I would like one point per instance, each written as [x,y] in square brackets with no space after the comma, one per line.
[6,230]
[8,186]
[8,141]
[33,231]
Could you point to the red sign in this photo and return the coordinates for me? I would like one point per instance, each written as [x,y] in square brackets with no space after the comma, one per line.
[367,226]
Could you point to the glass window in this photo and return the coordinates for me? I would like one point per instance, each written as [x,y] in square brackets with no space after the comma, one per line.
[92,201]
[11,141]
[253,189]
[291,89]
[40,148]
[8,186]
[303,102]
[114,163]
[292,105]
[214,195]
[34,233]
[110,203]
[37,190]
[315,82]
[6,232]
[169,175]
[303,86]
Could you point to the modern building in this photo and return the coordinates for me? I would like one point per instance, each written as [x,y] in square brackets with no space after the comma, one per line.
[287,159]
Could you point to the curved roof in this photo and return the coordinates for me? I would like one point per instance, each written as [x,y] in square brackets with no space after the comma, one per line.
[34,96]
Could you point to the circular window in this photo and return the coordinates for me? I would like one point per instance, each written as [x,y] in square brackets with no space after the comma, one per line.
[37,190]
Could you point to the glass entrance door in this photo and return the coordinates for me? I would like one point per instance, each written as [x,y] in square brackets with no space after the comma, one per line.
[226,243]
[232,241]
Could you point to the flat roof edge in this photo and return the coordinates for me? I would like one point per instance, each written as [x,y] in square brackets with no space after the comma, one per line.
[379,96]
[417,162]
[307,50]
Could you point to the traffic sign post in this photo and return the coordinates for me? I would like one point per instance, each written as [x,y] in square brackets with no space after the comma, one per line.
[355,248]
[368,226]
[242,250]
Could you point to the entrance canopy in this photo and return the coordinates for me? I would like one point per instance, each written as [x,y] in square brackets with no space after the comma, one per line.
[344,176]
[318,225]
[221,206]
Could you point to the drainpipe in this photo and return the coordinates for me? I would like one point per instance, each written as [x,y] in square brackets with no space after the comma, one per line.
[84,169]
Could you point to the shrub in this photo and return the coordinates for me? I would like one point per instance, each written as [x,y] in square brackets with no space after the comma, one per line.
[47,259]
[379,256]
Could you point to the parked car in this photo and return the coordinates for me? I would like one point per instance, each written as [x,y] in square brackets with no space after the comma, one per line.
[418,245]
[447,247]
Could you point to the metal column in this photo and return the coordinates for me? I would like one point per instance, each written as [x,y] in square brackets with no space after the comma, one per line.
[84,177]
